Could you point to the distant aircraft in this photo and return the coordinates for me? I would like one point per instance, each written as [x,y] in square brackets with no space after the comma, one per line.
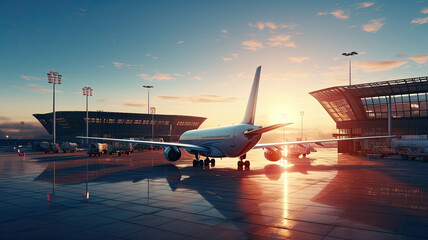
[230,141]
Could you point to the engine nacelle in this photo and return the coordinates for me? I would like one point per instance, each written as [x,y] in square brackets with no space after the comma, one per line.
[172,154]
[273,154]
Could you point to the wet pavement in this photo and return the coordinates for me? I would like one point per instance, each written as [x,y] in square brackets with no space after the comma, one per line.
[143,196]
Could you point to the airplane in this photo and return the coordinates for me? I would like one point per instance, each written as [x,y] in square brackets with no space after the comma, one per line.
[229,141]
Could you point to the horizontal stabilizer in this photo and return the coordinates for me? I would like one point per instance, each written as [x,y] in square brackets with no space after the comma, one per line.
[265,129]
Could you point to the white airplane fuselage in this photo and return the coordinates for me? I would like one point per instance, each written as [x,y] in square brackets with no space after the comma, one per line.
[228,141]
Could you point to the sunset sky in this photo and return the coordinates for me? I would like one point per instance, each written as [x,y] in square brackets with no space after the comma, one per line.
[201,56]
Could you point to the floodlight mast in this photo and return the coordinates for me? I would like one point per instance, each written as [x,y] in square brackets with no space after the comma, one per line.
[148,97]
[349,55]
[54,78]
[87,91]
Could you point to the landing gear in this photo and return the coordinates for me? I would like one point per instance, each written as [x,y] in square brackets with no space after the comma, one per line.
[206,162]
[242,163]
[195,163]
[247,164]
[212,162]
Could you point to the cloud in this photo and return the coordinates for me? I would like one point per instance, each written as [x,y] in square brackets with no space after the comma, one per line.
[281,41]
[339,14]
[134,103]
[425,10]
[226,59]
[298,59]
[401,55]
[29,78]
[374,26]
[3,118]
[180,42]
[158,76]
[262,26]
[364,4]
[376,66]
[420,20]
[203,98]
[81,12]
[150,55]
[196,78]
[252,45]
[270,25]
[224,31]
[420,59]
[120,65]
[101,66]
[35,88]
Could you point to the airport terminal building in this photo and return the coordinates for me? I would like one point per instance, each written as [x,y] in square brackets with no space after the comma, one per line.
[70,124]
[362,110]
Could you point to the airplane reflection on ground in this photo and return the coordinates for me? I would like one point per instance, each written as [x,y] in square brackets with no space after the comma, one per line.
[308,198]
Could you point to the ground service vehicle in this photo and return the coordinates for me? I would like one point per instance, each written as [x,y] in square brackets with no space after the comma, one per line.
[411,148]
[68,147]
[53,147]
[96,149]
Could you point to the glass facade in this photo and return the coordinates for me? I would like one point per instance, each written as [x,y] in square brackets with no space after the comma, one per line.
[119,125]
[362,110]
[336,104]
[402,106]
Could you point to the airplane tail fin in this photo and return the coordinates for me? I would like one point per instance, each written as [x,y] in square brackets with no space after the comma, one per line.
[252,100]
[264,129]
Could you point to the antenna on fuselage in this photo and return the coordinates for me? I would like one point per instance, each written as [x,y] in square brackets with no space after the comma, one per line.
[252,100]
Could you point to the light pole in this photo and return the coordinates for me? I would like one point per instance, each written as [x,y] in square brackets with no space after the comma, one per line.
[153,111]
[87,91]
[301,124]
[148,97]
[350,55]
[54,78]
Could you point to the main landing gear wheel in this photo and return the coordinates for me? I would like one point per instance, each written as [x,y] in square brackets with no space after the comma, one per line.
[206,162]
[240,165]
[213,162]
[201,162]
[247,164]
[195,163]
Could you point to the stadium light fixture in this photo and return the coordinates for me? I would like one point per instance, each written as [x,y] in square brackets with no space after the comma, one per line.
[87,91]
[148,97]
[54,78]
[349,55]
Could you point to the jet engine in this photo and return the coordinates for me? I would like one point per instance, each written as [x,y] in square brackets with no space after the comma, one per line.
[172,154]
[273,154]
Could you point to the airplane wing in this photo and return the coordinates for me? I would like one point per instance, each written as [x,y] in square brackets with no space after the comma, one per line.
[154,143]
[317,142]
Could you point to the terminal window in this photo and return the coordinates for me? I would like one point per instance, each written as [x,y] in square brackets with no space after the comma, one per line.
[402,105]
